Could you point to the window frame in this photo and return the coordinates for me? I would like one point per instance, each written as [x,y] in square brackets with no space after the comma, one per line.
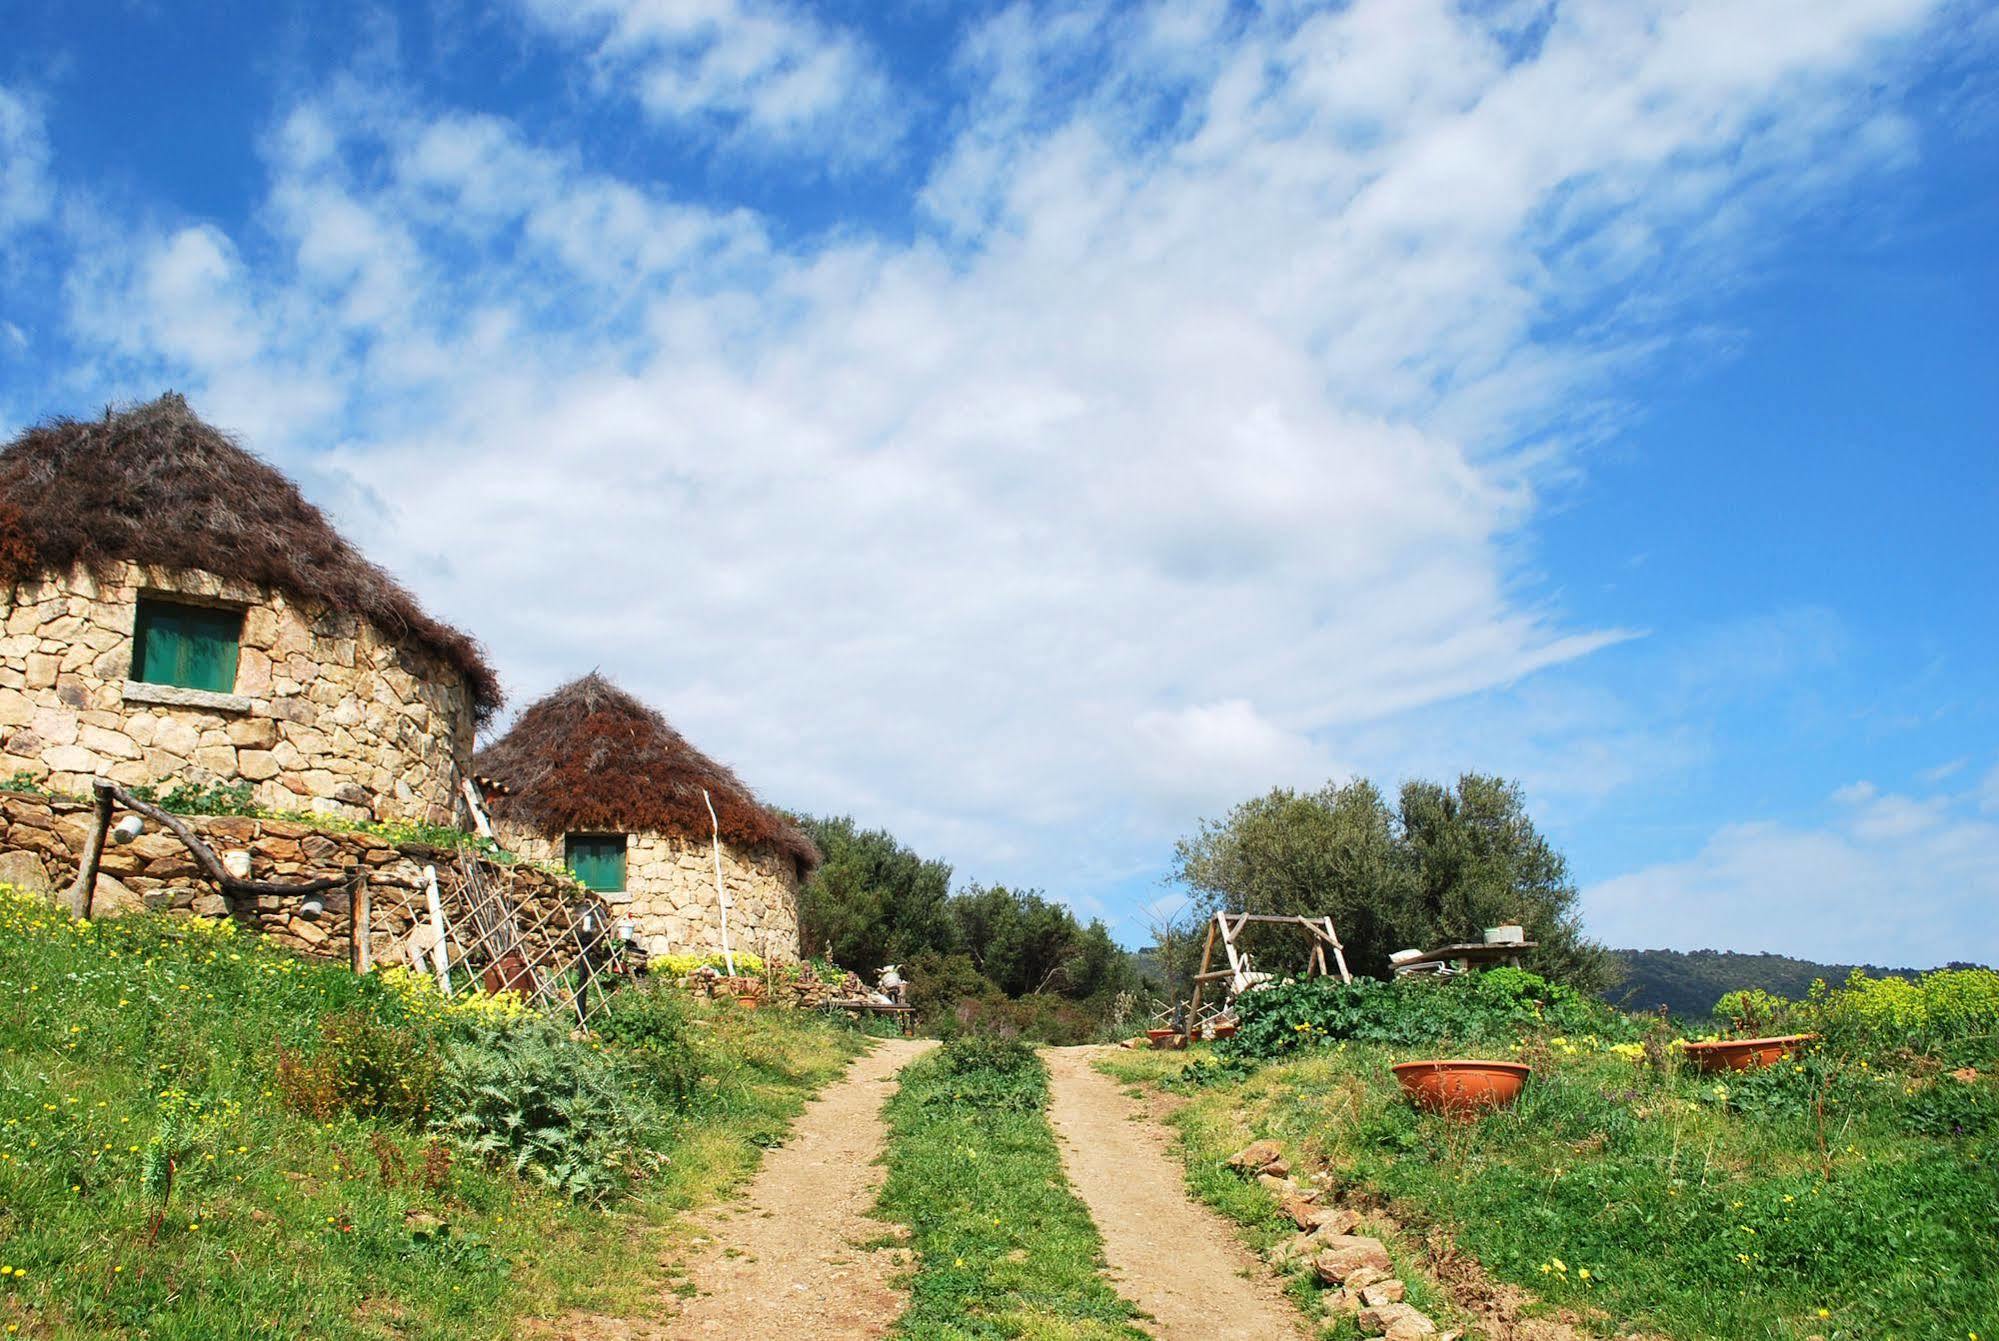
[147,625]
[623,841]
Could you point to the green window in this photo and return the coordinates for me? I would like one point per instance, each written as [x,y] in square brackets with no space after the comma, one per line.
[598,860]
[190,646]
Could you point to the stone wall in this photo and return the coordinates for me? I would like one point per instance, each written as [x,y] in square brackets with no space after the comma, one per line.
[328,715]
[669,894]
[42,840]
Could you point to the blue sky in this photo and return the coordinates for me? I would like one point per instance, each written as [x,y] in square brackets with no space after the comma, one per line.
[1034,428]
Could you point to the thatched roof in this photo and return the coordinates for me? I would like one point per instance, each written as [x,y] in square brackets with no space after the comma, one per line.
[591,757]
[154,485]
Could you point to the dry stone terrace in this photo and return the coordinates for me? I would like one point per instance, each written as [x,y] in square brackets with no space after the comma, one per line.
[326,714]
[41,839]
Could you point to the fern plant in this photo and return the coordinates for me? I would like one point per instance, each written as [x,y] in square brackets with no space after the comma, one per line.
[530,1100]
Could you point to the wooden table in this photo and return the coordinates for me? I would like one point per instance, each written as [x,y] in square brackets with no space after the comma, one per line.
[1465,956]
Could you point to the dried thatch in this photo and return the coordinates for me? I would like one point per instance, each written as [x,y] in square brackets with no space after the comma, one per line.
[154,485]
[590,757]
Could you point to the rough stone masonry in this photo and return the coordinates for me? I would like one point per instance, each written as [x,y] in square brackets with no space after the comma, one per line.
[328,715]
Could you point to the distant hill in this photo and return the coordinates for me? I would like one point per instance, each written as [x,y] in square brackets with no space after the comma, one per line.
[1689,982]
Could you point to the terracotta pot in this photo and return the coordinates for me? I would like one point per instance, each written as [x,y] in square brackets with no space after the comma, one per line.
[1461,1087]
[1165,1038]
[1744,1054]
[509,973]
[1224,1030]
[746,1001]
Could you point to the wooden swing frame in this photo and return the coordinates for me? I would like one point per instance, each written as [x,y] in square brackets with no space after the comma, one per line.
[1225,927]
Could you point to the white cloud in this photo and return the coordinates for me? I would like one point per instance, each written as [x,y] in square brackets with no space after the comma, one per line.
[1194,443]
[27,195]
[1888,880]
[761,71]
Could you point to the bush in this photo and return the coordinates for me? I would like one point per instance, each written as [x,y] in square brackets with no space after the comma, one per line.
[1951,1013]
[1752,1012]
[362,1066]
[1499,1005]
[646,1028]
[418,994]
[681,965]
[529,1099]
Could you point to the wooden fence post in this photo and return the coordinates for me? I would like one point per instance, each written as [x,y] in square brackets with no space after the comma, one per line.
[357,924]
[85,887]
[441,952]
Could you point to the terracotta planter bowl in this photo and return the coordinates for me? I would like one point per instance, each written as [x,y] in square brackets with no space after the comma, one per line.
[1461,1087]
[1744,1054]
[1225,1030]
[1164,1038]
[747,1002]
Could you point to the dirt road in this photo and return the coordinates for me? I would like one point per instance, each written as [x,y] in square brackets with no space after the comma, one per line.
[785,1261]
[1174,1258]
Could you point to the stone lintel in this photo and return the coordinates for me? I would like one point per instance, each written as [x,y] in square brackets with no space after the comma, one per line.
[173,696]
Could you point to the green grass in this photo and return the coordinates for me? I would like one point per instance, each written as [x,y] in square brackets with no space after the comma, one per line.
[1004,1248]
[1738,1213]
[113,1036]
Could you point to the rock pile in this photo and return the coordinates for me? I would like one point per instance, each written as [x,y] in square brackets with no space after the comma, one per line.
[1356,1269]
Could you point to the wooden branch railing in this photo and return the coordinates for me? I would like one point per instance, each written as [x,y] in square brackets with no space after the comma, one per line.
[109,793]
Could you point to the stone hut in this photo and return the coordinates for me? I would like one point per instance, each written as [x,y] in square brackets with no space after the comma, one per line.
[594,778]
[176,612]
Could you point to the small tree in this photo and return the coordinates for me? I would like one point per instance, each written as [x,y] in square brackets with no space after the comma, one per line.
[1444,866]
[1474,859]
[1332,851]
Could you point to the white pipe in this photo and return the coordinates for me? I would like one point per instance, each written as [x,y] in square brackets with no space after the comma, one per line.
[721,894]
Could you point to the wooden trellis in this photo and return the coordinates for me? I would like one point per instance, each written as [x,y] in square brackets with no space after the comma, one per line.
[474,922]
[551,951]
[1242,974]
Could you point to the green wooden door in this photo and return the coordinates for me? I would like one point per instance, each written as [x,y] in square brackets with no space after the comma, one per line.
[191,646]
[598,860]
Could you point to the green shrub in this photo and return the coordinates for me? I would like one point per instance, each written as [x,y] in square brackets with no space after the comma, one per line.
[1752,1012]
[364,1066]
[1951,1013]
[646,1029]
[529,1099]
[1500,1005]
[201,798]
[984,1072]
[1812,1082]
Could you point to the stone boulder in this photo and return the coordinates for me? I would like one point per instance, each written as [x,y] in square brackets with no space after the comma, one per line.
[112,899]
[1256,1156]
[1345,1254]
[1397,1322]
[26,872]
